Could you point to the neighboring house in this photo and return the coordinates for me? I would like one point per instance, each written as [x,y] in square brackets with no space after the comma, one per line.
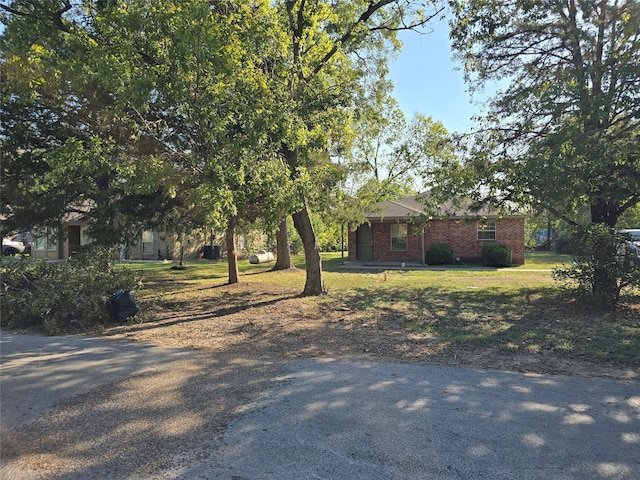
[155,245]
[59,244]
[400,231]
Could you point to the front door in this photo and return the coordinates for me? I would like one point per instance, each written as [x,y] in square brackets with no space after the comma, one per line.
[74,239]
[364,242]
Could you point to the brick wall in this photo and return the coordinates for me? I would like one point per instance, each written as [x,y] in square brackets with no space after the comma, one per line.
[511,233]
[382,244]
[352,245]
[460,235]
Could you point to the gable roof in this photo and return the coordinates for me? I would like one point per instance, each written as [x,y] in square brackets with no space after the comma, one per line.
[413,207]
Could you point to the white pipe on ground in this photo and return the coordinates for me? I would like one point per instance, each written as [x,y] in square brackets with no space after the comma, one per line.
[261,257]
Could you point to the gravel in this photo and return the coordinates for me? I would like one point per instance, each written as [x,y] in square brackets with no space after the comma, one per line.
[134,428]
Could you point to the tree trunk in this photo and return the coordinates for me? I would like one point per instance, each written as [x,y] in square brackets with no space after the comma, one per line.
[605,288]
[314,284]
[283,252]
[232,256]
[605,212]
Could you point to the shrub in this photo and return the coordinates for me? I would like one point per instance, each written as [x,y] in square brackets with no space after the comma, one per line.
[602,266]
[61,296]
[295,245]
[496,255]
[439,254]
[565,243]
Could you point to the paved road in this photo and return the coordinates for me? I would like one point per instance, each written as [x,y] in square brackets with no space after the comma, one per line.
[325,419]
[38,372]
[357,420]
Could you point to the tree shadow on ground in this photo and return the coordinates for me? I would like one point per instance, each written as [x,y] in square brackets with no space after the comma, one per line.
[245,333]
[136,427]
[528,320]
[177,312]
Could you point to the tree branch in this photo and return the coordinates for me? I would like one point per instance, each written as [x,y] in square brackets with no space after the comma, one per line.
[363,19]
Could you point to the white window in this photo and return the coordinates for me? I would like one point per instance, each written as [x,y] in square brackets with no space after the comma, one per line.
[399,237]
[46,239]
[52,239]
[486,230]
[148,238]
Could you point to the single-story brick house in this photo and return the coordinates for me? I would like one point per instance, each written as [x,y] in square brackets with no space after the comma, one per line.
[401,231]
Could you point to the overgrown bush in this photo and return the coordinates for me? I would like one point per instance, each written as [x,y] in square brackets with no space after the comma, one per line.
[439,254]
[295,245]
[602,266]
[565,243]
[496,255]
[61,296]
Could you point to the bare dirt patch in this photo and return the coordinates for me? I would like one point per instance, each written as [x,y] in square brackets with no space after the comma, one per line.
[245,333]
[253,320]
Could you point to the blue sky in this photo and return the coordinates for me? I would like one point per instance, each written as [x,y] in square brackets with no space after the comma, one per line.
[426,81]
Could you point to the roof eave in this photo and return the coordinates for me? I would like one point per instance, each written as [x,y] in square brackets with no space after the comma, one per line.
[451,217]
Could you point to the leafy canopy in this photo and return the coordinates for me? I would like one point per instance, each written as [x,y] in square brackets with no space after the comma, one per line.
[564,133]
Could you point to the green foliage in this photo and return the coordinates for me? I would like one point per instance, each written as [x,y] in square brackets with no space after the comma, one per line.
[327,233]
[129,106]
[630,218]
[296,245]
[602,266]
[331,49]
[561,134]
[62,296]
[565,243]
[535,234]
[562,131]
[390,156]
[440,254]
[496,255]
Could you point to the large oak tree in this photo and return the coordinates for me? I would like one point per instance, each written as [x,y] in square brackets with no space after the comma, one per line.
[329,46]
[149,102]
[563,132]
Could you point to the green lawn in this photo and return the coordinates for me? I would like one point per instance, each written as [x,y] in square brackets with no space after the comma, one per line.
[545,260]
[510,310]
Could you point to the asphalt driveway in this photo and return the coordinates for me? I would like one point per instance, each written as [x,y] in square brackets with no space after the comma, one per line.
[359,420]
[346,419]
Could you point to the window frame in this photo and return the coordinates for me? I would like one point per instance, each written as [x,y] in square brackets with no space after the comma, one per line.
[40,239]
[52,240]
[399,235]
[45,239]
[145,242]
[484,232]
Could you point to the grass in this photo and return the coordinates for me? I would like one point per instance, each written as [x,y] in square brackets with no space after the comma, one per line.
[509,311]
[545,260]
